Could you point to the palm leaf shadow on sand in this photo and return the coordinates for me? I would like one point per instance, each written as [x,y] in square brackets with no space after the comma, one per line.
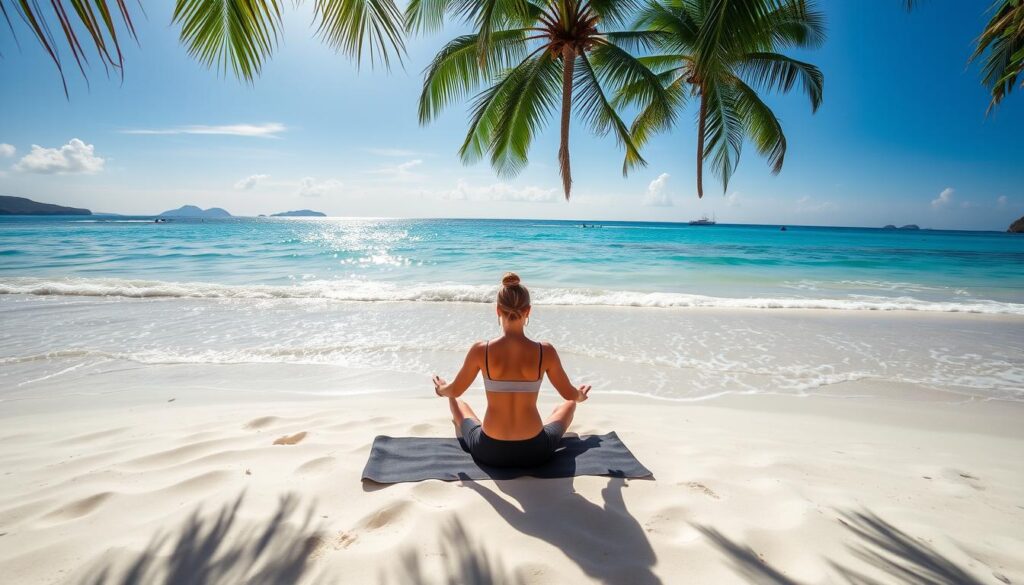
[745,560]
[605,541]
[903,559]
[215,549]
[465,562]
[901,556]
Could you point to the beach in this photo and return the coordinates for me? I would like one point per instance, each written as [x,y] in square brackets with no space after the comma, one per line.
[197,405]
[187,478]
[126,467]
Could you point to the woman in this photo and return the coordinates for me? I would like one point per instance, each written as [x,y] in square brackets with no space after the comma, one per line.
[512,433]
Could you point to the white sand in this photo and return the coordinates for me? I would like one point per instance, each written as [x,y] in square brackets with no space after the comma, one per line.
[132,487]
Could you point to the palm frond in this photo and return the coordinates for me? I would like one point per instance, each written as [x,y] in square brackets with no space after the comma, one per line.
[428,15]
[96,18]
[615,12]
[729,27]
[675,20]
[636,84]
[235,34]
[653,118]
[637,40]
[760,125]
[622,69]
[352,26]
[486,110]
[507,115]
[773,71]
[534,92]
[595,108]
[724,133]
[797,23]
[1003,41]
[662,63]
[457,71]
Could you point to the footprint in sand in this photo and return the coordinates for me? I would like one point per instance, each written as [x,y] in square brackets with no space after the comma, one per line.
[290,439]
[323,544]
[702,488]
[674,523]
[382,528]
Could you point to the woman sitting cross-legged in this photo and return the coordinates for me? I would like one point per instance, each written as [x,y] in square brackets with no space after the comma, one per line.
[512,433]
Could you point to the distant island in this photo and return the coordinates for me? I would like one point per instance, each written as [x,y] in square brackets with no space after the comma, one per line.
[23,206]
[195,212]
[909,226]
[1017,227]
[299,213]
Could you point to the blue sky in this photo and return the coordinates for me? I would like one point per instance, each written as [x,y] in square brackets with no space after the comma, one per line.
[902,136]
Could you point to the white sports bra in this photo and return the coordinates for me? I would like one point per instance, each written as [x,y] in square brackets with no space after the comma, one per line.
[492,385]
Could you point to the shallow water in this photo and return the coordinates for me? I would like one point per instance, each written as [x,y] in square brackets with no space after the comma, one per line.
[675,312]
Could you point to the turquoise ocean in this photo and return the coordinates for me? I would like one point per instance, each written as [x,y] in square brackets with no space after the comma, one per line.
[613,263]
[665,310]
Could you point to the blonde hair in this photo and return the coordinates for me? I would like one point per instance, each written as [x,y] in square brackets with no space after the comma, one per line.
[513,298]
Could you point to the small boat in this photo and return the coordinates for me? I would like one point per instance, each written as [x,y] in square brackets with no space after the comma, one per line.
[702,221]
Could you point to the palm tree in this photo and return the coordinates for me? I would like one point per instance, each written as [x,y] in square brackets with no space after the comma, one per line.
[530,54]
[1003,40]
[227,34]
[721,53]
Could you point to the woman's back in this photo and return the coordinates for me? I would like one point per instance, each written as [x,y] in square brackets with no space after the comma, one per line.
[514,359]
[513,371]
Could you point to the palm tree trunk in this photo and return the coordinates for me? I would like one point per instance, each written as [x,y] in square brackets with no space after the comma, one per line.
[568,63]
[700,145]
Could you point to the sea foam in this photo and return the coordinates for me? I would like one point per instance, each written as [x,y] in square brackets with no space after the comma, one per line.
[377,291]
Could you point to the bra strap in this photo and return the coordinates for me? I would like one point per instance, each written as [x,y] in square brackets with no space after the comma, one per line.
[487,365]
[540,361]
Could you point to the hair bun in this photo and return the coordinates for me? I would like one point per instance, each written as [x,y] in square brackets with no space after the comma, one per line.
[510,279]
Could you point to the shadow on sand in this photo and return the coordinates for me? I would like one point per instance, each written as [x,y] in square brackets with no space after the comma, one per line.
[464,562]
[214,548]
[901,558]
[606,541]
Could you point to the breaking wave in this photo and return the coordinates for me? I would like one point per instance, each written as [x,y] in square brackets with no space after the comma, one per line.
[375,291]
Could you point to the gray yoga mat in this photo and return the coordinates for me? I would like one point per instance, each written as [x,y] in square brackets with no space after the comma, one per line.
[401,459]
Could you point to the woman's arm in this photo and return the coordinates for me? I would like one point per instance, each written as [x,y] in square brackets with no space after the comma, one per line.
[559,379]
[465,377]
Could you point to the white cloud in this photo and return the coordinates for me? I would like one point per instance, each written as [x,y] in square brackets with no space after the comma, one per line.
[807,204]
[463,191]
[657,192]
[269,130]
[391,152]
[399,171]
[7,150]
[1001,201]
[74,157]
[310,187]
[250,182]
[944,198]
[733,199]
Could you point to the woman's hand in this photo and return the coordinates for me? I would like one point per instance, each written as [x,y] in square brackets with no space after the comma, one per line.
[584,392]
[438,383]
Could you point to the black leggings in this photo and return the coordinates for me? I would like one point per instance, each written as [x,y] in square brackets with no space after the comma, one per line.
[498,453]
